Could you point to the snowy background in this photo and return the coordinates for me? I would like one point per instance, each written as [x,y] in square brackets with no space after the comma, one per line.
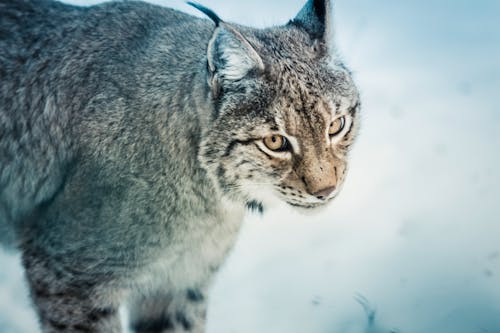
[412,245]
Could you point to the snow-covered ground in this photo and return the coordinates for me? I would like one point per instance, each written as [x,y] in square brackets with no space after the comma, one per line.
[414,239]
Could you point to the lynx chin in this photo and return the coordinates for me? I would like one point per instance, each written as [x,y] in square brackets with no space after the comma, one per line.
[134,137]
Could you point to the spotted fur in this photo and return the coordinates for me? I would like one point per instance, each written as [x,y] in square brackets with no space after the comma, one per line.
[302,89]
[132,143]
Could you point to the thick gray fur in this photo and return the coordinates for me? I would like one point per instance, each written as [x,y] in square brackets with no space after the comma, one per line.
[131,142]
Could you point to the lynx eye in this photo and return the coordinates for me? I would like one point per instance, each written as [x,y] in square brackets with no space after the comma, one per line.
[277,143]
[336,126]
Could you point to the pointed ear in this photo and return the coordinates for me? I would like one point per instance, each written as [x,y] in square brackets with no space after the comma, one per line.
[314,17]
[230,56]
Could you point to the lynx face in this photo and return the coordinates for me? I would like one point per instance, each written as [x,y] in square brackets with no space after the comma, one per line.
[285,116]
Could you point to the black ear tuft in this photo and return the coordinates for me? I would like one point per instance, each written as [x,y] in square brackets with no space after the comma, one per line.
[320,9]
[314,17]
[210,13]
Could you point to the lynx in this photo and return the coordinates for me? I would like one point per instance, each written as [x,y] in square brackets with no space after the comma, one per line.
[133,138]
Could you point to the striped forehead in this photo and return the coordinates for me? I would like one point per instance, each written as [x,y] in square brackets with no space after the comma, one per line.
[301,121]
[307,106]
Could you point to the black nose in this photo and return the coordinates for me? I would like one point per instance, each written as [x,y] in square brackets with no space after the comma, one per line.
[324,193]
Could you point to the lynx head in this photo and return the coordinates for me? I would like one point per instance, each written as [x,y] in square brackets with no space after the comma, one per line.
[285,111]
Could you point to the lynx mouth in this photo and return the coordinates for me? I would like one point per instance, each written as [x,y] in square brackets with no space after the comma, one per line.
[311,205]
[305,206]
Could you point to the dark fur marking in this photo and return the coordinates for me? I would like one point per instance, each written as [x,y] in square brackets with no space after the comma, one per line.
[348,134]
[57,325]
[233,145]
[181,318]
[97,314]
[221,172]
[42,293]
[255,206]
[304,181]
[242,163]
[194,295]
[153,325]
[82,328]
[354,109]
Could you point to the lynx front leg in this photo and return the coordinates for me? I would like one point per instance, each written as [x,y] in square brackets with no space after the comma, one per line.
[69,305]
[169,313]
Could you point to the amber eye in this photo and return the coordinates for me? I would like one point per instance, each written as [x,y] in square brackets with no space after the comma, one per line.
[276,143]
[336,126]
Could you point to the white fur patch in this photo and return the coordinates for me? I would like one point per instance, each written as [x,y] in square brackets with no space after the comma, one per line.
[238,64]
[237,55]
[190,262]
